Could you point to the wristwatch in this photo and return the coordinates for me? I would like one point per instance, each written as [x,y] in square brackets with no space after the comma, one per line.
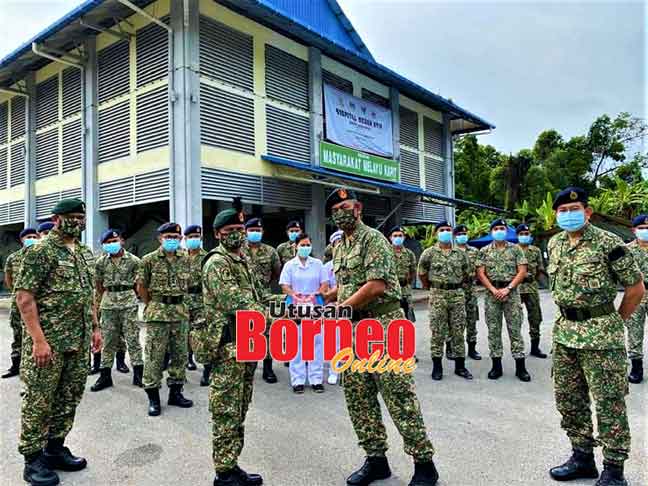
[510,287]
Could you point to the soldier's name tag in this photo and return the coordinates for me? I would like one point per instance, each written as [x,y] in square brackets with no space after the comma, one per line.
[65,263]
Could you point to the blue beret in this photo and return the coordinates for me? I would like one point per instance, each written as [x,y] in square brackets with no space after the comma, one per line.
[70,205]
[498,222]
[337,196]
[46,226]
[193,228]
[27,232]
[639,220]
[254,223]
[293,224]
[170,228]
[110,233]
[570,195]
[522,227]
[441,224]
[460,228]
[396,228]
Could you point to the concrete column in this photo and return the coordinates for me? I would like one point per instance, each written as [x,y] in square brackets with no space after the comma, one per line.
[316,220]
[448,157]
[185,204]
[394,105]
[30,151]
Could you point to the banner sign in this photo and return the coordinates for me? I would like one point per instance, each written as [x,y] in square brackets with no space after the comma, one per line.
[357,123]
[344,159]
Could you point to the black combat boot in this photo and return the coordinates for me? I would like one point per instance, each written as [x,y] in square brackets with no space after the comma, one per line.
[437,369]
[460,369]
[14,369]
[59,457]
[120,358]
[37,472]
[249,479]
[177,398]
[204,381]
[520,370]
[104,380]
[636,374]
[155,408]
[580,465]
[165,361]
[373,469]
[535,348]
[425,474]
[229,478]
[138,372]
[496,370]
[191,364]
[268,374]
[472,352]
[96,363]
[612,475]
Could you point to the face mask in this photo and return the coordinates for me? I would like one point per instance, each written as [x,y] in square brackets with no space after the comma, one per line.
[292,235]
[29,242]
[304,251]
[233,240]
[255,236]
[571,221]
[525,239]
[71,227]
[344,218]
[445,236]
[462,239]
[642,234]
[499,235]
[193,243]
[398,240]
[170,245]
[111,248]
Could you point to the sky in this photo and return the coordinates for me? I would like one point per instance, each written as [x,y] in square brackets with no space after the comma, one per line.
[524,66]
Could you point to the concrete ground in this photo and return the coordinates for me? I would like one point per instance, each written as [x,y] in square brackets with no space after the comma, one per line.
[485,433]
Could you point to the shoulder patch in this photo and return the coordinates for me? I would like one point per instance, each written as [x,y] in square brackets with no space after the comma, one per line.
[616,253]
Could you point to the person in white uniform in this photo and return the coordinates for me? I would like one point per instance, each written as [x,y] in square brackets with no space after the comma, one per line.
[334,240]
[303,278]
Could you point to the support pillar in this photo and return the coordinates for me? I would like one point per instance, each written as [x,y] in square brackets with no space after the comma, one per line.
[394,106]
[30,151]
[448,160]
[316,216]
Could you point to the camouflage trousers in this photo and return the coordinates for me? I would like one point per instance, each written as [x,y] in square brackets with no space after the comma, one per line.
[230,394]
[160,336]
[635,326]
[472,316]
[50,396]
[119,325]
[511,308]
[531,301]
[577,373]
[399,394]
[447,322]
[16,329]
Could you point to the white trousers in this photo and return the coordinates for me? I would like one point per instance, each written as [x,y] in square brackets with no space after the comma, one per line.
[300,369]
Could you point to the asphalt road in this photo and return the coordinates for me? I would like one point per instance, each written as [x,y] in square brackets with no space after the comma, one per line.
[485,433]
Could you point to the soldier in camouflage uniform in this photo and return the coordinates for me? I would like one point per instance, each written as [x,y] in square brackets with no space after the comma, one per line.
[586,264]
[54,294]
[637,322]
[501,268]
[288,250]
[405,268]
[229,285]
[363,263]
[529,293]
[266,267]
[472,309]
[195,254]
[115,278]
[445,270]
[28,237]
[162,282]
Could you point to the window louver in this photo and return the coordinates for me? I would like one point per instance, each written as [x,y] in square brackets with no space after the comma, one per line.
[223,185]
[4,167]
[4,213]
[286,78]
[4,122]
[275,192]
[16,211]
[137,189]
[152,119]
[152,53]
[375,98]
[422,212]
[288,134]
[113,71]
[114,132]
[18,117]
[435,175]
[408,128]
[71,92]
[433,136]
[45,204]
[47,102]
[337,81]
[47,154]
[410,171]
[226,120]
[226,54]
[17,174]
[72,146]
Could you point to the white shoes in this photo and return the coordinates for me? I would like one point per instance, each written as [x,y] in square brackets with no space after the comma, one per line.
[332,379]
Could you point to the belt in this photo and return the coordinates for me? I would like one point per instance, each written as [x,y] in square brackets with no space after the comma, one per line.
[585,313]
[119,288]
[445,286]
[499,284]
[376,311]
[195,290]
[168,299]
[529,279]
[228,334]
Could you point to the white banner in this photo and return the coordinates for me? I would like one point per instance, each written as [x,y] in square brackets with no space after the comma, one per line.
[357,123]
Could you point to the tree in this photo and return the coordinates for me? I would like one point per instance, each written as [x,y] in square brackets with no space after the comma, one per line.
[547,143]
[536,186]
[473,164]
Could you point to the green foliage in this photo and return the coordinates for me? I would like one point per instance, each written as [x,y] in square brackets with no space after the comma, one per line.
[523,211]
[477,222]
[546,215]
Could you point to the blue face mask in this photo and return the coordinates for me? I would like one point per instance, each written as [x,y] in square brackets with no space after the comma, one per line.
[571,221]
[29,242]
[254,236]
[304,251]
[462,239]
[398,240]
[499,235]
[292,235]
[445,237]
[525,239]
[170,245]
[193,243]
[642,234]
[112,248]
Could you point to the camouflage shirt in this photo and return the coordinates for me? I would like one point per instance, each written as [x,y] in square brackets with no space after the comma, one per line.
[13,263]
[405,268]
[586,275]
[534,267]
[61,281]
[328,253]
[501,264]
[264,260]
[195,301]
[641,257]
[163,277]
[366,255]
[473,257]
[286,251]
[111,272]
[445,267]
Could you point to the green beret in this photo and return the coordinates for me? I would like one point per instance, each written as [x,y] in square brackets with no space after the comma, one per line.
[337,196]
[67,206]
[228,216]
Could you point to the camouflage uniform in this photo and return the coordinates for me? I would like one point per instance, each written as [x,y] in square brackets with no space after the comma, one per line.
[368,256]
[166,323]
[472,309]
[637,321]
[328,253]
[286,251]
[500,265]
[405,268]
[62,284]
[263,260]
[447,273]
[195,297]
[12,268]
[529,293]
[589,354]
